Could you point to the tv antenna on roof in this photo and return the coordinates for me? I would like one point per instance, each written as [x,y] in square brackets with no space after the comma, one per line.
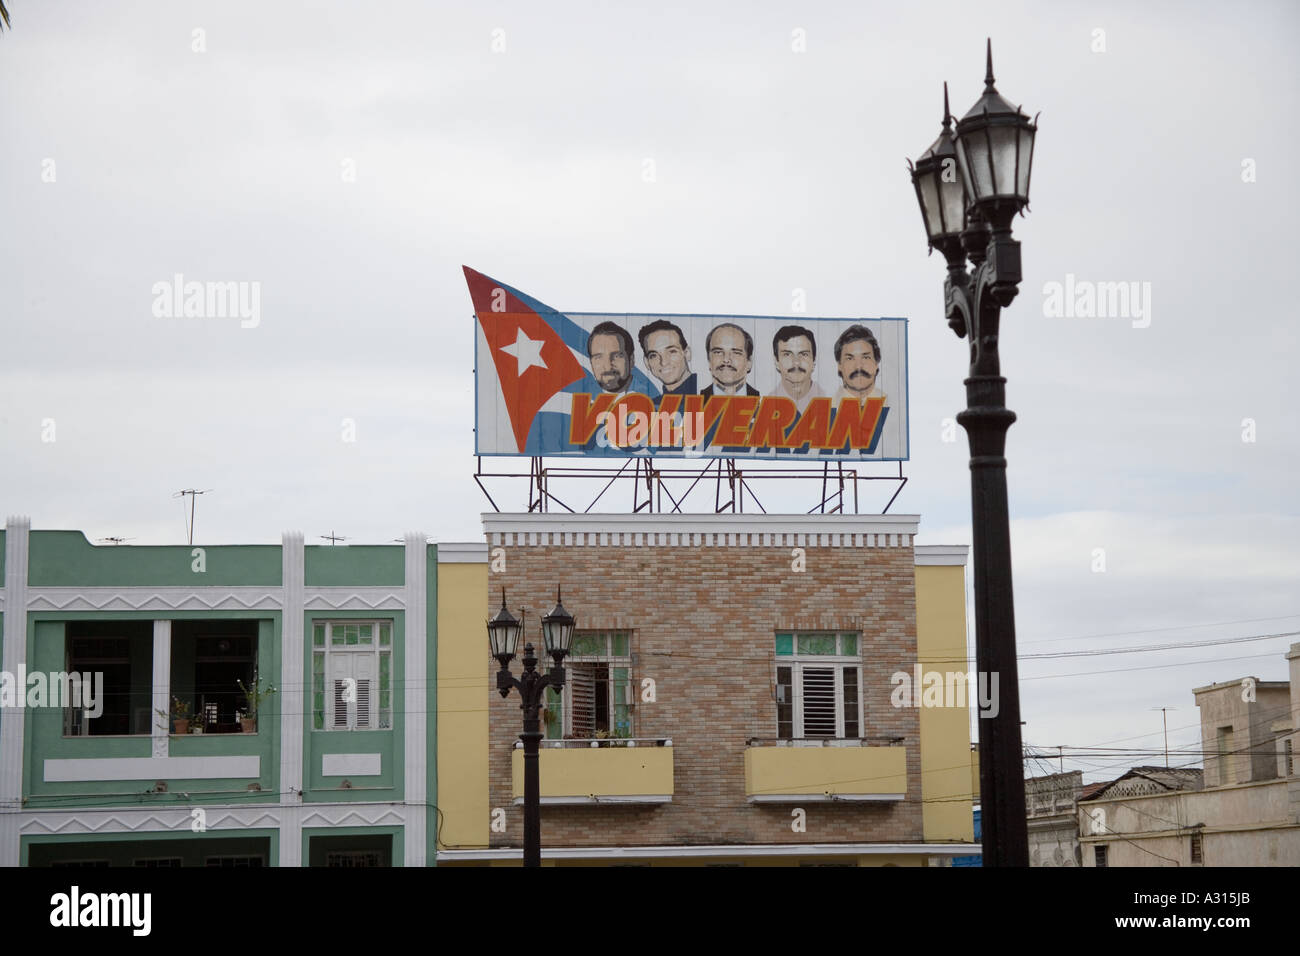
[114,541]
[194,495]
[1164,717]
[332,538]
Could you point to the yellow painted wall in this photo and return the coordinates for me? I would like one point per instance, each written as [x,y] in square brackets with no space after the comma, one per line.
[945,731]
[462,705]
[601,772]
[791,770]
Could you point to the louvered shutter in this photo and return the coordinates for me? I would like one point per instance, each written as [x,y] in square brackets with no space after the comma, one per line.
[818,686]
[363,668]
[582,703]
[340,671]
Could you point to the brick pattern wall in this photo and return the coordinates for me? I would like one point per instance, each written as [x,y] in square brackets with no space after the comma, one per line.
[702,621]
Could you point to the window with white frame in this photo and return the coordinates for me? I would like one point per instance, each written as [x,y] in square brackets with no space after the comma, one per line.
[597,696]
[233,861]
[352,675]
[818,685]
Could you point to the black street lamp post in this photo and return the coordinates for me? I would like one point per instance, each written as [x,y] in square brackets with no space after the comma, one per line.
[504,633]
[970,217]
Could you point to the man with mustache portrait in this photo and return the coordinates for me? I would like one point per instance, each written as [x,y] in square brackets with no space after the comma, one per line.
[857,356]
[795,352]
[731,355]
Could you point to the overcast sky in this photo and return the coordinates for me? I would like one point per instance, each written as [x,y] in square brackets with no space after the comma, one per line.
[350,158]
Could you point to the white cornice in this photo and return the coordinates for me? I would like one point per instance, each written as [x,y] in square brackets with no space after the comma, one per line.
[729,530]
[462,552]
[723,850]
[928,555]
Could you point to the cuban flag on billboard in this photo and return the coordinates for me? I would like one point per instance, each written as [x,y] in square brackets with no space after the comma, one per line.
[540,359]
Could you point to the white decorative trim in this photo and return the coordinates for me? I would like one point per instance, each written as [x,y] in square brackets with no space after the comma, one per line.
[162,678]
[356,815]
[13,650]
[416,697]
[353,599]
[730,530]
[148,820]
[292,693]
[83,769]
[724,850]
[928,555]
[153,599]
[351,765]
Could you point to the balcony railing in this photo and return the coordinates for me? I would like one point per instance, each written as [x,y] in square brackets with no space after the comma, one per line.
[822,741]
[824,769]
[592,743]
[636,770]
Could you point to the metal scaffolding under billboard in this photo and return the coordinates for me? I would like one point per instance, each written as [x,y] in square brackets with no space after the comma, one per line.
[777,388]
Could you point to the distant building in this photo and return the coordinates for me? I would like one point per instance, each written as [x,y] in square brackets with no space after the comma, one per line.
[1242,810]
[1052,818]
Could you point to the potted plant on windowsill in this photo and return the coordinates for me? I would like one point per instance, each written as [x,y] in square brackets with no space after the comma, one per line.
[179,715]
[255,695]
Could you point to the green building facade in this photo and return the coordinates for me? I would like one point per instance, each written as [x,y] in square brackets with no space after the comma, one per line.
[261,705]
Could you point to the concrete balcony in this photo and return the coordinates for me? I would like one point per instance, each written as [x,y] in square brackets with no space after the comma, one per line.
[581,772]
[819,771]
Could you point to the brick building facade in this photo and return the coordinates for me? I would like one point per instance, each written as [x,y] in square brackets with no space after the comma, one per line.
[717,611]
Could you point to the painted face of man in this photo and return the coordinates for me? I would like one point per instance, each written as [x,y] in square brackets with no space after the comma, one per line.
[858,367]
[728,362]
[666,357]
[794,363]
[610,364]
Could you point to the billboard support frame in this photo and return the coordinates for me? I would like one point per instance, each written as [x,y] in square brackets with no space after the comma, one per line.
[724,471]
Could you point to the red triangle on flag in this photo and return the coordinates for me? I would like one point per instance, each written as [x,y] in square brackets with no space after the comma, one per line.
[531,359]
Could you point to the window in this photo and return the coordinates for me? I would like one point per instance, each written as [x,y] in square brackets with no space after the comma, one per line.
[123,652]
[210,659]
[1099,856]
[1288,758]
[1196,849]
[597,696]
[158,861]
[352,675]
[356,850]
[1225,746]
[233,861]
[818,685]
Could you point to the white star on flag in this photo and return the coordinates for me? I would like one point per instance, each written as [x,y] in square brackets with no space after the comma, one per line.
[526,352]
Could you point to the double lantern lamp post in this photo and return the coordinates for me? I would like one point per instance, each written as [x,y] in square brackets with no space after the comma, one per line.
[970,184]
[504,634]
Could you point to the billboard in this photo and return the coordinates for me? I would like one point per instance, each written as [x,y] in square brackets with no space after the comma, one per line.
[550,383]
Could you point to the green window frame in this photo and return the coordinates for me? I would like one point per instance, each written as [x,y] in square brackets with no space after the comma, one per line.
[597,701]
